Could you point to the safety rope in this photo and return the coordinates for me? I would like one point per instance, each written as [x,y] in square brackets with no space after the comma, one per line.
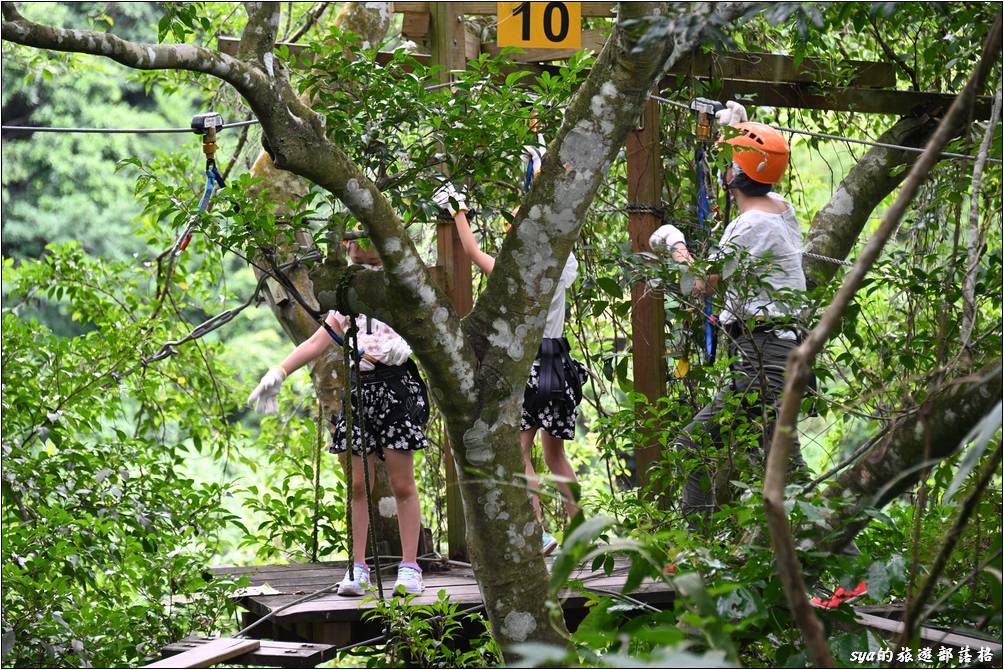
[318,448]
[658,98]
[315,314]
[828,259]
[347,413]
[113,131]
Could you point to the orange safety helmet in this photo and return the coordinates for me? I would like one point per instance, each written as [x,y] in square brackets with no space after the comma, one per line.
[760,151]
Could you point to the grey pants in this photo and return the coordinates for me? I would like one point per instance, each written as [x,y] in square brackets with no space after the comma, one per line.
[755,394]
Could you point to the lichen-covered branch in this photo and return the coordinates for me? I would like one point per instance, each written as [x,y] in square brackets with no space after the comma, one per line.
[260,33]
[836,227]
[507,323]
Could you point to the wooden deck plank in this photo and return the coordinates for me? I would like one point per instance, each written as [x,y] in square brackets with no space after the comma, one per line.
[928,634]
[210,653]
[270,653]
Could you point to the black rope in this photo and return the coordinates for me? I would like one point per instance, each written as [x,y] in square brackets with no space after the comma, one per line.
[347,413]
[352,342]
[315,314]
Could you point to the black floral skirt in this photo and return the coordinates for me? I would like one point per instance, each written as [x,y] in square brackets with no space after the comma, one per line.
[395,411]
[557,413]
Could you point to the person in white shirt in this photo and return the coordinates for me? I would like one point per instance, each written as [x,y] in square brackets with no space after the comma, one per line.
[554,390]
[760,322]
[395,409]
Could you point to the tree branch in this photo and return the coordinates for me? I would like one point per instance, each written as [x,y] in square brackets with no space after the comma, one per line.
[298,142]
[312,17]
[138,55]
[891,467]
[836,226]
[260,33]
[975,236]
[910,72]
[798,370]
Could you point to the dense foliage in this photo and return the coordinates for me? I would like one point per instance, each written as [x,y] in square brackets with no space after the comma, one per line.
[125,479]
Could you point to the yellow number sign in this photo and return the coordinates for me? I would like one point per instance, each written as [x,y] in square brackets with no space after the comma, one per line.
[540,25]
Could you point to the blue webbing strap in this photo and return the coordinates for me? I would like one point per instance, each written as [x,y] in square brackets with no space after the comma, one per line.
[703,212]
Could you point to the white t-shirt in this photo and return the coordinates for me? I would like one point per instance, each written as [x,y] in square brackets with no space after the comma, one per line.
[374,336]
[554,326]
[758,235]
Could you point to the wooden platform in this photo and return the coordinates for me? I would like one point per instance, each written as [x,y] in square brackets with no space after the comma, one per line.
[332,619]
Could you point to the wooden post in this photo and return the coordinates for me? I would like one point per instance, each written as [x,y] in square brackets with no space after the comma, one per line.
[448,40]
[644,177]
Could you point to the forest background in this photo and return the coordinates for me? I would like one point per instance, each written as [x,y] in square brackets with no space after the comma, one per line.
[119,496]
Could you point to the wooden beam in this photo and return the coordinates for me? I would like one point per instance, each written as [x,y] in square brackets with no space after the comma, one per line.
[793,95]
[491,8]
[644,186]
[866,101]
[752,66]
[301,57]
[415,24]
[208,654]
[758,66]
[449,38]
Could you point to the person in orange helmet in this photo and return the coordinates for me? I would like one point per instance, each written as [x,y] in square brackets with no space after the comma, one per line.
[759,317]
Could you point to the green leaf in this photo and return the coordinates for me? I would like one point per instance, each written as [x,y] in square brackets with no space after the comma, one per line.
[610,286]
[980,436]
[575,547]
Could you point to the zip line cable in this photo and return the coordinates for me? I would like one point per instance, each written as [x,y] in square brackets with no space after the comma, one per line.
[657,98]
[838,138]
[116,131]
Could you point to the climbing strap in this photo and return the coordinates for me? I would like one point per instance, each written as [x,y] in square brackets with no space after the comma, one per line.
[705,110]
[315,314]
[206,125]
[347,413]
[555,373]
[703,216]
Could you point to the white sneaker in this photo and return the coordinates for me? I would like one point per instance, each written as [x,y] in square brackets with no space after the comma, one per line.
[357,586]
[409,580]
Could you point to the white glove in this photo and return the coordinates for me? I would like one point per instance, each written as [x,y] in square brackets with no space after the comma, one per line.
[447,195]
[534,154]
[732,114]
[666,237]
[264,395]
[397,353]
